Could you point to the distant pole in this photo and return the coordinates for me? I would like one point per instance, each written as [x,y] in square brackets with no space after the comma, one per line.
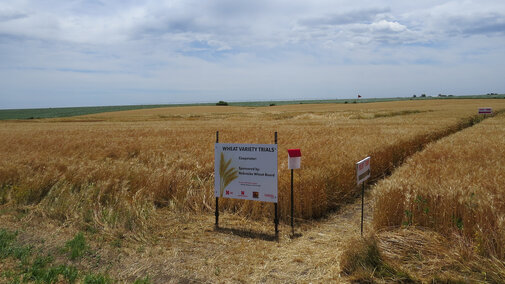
[362,205]
[217,198]
[276,218]
[292,204]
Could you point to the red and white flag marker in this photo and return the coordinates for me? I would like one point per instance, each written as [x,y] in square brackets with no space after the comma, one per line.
[294,157]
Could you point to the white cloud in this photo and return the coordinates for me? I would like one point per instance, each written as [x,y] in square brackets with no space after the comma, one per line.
[386,26]
[243,49]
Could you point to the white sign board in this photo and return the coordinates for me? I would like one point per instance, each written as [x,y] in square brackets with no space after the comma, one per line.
[485,110]
[246,171]
[363,170]
[294,158]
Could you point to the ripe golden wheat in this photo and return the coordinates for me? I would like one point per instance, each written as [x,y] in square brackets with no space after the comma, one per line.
[113,170]
[456,187]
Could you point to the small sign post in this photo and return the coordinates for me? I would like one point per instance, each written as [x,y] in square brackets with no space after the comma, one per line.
[294,157]
[362,174]
[485,111]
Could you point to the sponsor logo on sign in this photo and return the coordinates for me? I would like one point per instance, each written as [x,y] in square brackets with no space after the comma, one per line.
[256,194]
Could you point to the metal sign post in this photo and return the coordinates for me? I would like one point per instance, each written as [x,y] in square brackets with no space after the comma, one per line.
[362,205]
[217,198]
[292,205]
[294,157]
[276,218]
[362,174]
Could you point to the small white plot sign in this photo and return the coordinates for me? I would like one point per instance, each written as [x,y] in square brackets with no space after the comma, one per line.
[485,110]
[246,171]
[363,170]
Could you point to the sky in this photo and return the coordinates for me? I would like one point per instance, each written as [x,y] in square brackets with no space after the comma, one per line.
[92,52]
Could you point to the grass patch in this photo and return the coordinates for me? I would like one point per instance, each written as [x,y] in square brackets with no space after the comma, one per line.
[97,279]
[8,248]
[41,271]
[4,193]
[41,268]
[77,246]
[38,113]
[32,268]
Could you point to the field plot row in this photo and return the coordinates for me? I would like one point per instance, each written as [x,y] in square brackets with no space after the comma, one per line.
[456,187]
[112,170]
[440,216]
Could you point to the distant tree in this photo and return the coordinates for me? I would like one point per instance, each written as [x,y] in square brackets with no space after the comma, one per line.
[221,103]
[423,96]
[414,96]
[272,104]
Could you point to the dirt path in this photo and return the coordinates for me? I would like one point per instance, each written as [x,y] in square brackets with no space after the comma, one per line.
[189,250]
[315,255]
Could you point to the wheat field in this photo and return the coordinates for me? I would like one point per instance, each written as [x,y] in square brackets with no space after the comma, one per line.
[112,171]
[455,187]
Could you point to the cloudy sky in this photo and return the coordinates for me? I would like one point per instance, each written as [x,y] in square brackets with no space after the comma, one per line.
[92,52]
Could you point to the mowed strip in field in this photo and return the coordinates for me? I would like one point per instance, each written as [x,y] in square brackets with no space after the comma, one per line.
[112,170]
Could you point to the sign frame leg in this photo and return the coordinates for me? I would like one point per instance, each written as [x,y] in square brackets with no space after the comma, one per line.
[217,198]
[276,218]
